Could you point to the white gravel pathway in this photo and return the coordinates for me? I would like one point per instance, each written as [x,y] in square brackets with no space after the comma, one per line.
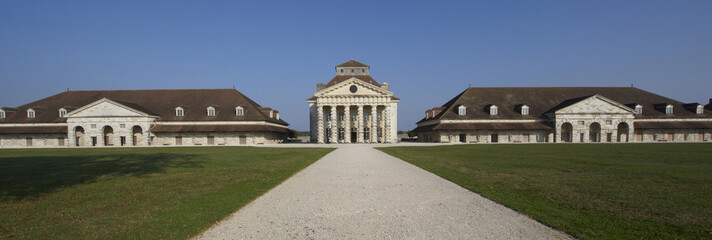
[357,192]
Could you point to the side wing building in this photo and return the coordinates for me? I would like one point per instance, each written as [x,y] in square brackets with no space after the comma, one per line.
[141,118]
[565,114]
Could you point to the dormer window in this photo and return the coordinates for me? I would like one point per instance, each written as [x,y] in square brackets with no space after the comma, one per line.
[179,112]
[700,109]
[461,110]
[638,109]
[239,111]
[493,110]
[432,114]
[352,70]
[271,113]
[276,115]
[30,113]
[2,114]
[668,109]
[62,113]
[342,70]
[211,111]
[525,110]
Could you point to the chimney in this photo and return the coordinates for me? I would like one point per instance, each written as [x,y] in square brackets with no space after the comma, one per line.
[385,85]
[319,86]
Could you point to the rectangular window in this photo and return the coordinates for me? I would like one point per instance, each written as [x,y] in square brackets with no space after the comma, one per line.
[211,112]
[341,116]
[211,140]
[494,138]
[609,137]
[60,141]
[609,122]
[581,123]
[581,137]
[525,138]
[179,140]
[123,140]
[93,141]
[2,114]
[30,114]
[93,126]
[28,141]
[240,112]
[179,112]
[122,125]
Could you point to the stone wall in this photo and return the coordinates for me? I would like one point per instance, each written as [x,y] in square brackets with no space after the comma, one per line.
[219,139]
[673,135]
[34,140]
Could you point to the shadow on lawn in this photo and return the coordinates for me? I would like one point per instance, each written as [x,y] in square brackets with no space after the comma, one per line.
[31,177]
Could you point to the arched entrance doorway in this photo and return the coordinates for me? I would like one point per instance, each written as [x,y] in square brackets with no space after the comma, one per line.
[137,133]
[108,133]
[595,132]
[623,132]
[567,132]
[79,136]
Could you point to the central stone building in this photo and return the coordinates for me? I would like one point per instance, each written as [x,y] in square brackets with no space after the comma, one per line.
[353,108]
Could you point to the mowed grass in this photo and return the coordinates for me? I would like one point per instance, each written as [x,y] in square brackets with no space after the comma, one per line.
[592,191]
[135,193]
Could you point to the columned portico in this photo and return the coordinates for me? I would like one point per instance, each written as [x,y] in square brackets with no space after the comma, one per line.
[353,90]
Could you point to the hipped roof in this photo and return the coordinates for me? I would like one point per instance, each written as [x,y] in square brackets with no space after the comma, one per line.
[161,103]
[543,99]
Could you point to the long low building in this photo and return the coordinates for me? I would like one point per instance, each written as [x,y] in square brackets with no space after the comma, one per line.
[141,118]
[565,114]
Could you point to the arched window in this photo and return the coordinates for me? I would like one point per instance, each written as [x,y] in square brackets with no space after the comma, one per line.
[239,111]
[179,112]
[525,110]
[211,111]
[668,109]
[30,113]
[62,113]
[461,110]
[638,109]
[493,110]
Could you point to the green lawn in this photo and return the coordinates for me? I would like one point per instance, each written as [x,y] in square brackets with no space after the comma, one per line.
[592,191]
[135,193]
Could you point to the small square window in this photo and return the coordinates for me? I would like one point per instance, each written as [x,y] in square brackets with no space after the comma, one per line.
[581,123]
[122,125]
[93,126]
[609,122]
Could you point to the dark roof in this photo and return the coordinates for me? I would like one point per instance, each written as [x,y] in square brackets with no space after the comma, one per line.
[352,63]
[26,130]
[161,103]
[484,126]
[541,99]
[340,78]
[216,128]
[673,125]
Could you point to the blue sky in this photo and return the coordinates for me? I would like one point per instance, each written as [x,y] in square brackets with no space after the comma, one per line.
[275,52]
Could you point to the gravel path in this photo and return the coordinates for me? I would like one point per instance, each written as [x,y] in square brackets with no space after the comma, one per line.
[357,192]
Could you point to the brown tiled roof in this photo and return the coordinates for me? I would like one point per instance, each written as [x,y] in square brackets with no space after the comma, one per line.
[674,125]
[26,130]
[340,78]
[484,126]
[541,99]
[352,63]
[161,103]
[216,128]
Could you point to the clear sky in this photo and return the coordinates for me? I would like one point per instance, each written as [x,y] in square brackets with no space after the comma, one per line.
[275,52]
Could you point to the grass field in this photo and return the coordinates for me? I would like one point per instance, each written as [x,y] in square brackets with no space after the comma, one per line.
[135,193]
[592,191]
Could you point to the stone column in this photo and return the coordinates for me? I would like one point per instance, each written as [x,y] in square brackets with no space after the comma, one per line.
[347,124]
[359,124]
[386,125]
[320,124]
[334,125]
[374,124]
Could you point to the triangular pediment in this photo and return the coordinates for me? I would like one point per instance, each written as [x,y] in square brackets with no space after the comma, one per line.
[106,108]
[596,104]
[362,89]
